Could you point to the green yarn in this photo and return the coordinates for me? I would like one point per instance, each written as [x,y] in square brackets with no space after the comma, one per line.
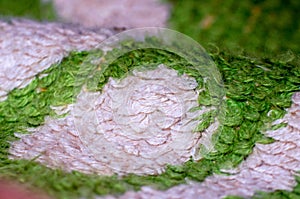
[233,143]
[255,88]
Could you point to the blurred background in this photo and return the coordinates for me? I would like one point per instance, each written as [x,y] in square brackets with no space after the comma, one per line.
[259,27]
[263,27]
[32,9]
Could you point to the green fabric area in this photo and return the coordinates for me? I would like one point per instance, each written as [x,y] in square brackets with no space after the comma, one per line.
[253,88]
[262,27]
[33,9]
